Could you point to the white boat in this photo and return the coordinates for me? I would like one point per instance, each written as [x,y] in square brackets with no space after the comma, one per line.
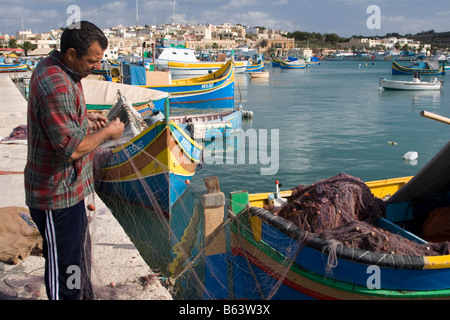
[416,84]
[259,74]
[166,54]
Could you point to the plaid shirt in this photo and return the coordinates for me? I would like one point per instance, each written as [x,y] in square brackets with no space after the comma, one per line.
[57,123]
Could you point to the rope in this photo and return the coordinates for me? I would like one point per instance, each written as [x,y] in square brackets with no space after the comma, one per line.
[2,173]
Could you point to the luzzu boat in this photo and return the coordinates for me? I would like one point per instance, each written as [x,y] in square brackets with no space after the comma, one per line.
[101,96]
[289,262]
[276,62]
[415,85]
[421,67]
[255,67]
[296,64]
[212,91]
[13,67]
[150,165]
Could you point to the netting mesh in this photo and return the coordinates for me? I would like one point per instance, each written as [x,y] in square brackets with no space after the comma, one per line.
[208,246]
[227,263]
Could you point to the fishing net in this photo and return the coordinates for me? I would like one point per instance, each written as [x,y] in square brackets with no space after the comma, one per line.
[201,251]
[342,209]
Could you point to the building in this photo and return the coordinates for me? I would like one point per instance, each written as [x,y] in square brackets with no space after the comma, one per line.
[391,43]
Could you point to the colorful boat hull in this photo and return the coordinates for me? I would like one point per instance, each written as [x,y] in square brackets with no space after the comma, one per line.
[201,68]
[293,64]
[152,169]
[276,62]
[255,67]
[207,126]
[212,91]
[16,67]
[298,271]
[399,69]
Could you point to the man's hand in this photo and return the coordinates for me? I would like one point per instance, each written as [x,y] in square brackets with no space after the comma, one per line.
[115,129]
[97,121]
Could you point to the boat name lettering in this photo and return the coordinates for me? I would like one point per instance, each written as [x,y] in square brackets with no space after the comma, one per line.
[207,85]
[135,148]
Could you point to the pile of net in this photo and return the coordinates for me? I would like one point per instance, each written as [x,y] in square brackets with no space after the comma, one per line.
[342,209]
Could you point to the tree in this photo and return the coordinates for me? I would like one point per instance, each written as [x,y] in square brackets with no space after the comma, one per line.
[27,46]
[12,43]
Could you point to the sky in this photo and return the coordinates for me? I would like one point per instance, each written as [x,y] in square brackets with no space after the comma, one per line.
[343,17]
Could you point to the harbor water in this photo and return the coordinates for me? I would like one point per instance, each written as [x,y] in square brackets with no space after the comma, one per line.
[330,119]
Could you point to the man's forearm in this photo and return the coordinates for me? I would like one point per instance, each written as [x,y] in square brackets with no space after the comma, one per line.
[90,143]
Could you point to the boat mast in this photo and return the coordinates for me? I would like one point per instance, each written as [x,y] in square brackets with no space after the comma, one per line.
[173,13]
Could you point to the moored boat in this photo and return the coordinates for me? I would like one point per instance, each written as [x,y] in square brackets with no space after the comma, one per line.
[421,67]
[202,68]
[402,254]
[150,164]
[215,90]
[13,67]
[276,62]
[259,74]
[101,96]
[296,64]
[255,67]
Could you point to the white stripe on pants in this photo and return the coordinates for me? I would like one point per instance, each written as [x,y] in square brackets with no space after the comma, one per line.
[53,272]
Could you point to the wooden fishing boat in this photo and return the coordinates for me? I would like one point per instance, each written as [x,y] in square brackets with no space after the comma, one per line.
[259,74]
[205,126]
[13,67]
[101,95]
[150,165]
[415,85]
[289,262]
[296,64]
[212,91]
[421,67]
[202,67]
[255,67]
[276,62]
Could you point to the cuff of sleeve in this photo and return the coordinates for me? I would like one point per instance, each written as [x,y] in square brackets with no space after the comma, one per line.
[71,144]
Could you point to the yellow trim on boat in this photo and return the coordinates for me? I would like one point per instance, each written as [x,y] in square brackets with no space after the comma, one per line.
[387,187]
[437,262]
[379,188]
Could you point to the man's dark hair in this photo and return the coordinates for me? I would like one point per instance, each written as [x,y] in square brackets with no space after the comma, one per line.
[80,38]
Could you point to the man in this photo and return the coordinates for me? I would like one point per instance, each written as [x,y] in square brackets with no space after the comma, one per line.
[59,169]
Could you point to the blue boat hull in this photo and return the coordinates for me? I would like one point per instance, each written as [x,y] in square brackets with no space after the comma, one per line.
[398,69]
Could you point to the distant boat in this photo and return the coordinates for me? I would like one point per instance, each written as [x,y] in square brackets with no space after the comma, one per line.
[276,62]
[415,85]
[211,91]
[259,74]
[166,54]
[297,64]
[13,67]
[202,68]
[421,67]
[313,61]
[255,67]
[337,56]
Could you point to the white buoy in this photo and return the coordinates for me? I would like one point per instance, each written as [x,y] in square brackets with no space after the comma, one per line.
[410,156]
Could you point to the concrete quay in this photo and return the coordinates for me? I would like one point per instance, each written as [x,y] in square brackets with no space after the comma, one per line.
[118,270]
